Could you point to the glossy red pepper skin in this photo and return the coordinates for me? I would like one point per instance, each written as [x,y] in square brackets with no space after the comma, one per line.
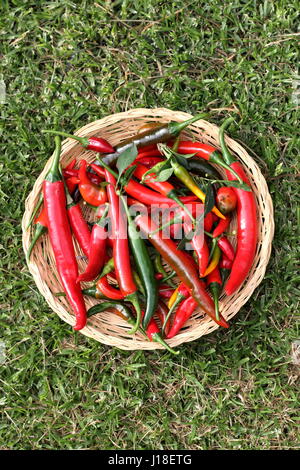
[109,291]
[71,165]
[165,292]
[226,200]
[223,225]
[200,246]
[90,192]
[99,145]
[96,254]
[163,188]
[62,244]
[183,313]
[72,184]
[149,162]
[120,246]
[226,247]
[180,263]
[79,227]
[246,232]
[94,178]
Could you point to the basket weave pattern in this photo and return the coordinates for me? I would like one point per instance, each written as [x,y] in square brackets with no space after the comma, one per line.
[106,327]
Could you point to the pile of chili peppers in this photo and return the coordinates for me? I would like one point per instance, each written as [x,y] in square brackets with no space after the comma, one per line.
[159,248]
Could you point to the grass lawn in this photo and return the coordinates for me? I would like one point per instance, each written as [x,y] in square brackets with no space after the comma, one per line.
[66,63]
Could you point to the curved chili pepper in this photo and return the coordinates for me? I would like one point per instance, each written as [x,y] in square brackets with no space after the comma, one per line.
[226,247]
[162,313]
[200,246]
[96,144]
[93,292]
[144,266]
[214,282]
[149,197]
[61,238]
[179,294]
[72,184]
[121,249]
[153,334]
[89,191]
[108,290]
[165,291]
[119,308]
[71,165]
[246,220]
[94,178]
[183,313]
[215,258]
[164,188]
[96,252]
[163,133]
[180,263]
[149,162]
[35,210]
[78,225]
[223,225]
[41,224]
[186,178]
[161,270]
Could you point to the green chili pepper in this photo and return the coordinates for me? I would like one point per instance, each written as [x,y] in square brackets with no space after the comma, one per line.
[144,266]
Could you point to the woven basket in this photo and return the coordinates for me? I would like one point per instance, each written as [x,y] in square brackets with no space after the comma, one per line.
[106,327]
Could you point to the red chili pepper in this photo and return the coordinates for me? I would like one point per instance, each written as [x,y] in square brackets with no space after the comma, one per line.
[165,292]
[225,268]
[226,199]
[201,248]
[71,183]
[96,179]
[97,144]
[71,165]
[153,334]
[96,253]
[221,227]
[180,263]
[246,218]
[61,238]
[121,248]
[183,313]
[79,226]
[88,190]
[226,247]
[149,162]
[108,290]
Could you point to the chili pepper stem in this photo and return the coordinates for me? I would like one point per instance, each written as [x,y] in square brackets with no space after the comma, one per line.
[104,165]
[40,230]
[83,140]
[54,174]
[158,339]
[34,212]
[133,298]
[171,310]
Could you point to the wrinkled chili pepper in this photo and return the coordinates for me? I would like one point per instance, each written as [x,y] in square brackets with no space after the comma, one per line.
[41,224]
[163,133]
[61,238]
[180,263]
[94,178]
[214,282]
[247,227]
[91,193]
[121,249]
[96,144]
[96,252]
